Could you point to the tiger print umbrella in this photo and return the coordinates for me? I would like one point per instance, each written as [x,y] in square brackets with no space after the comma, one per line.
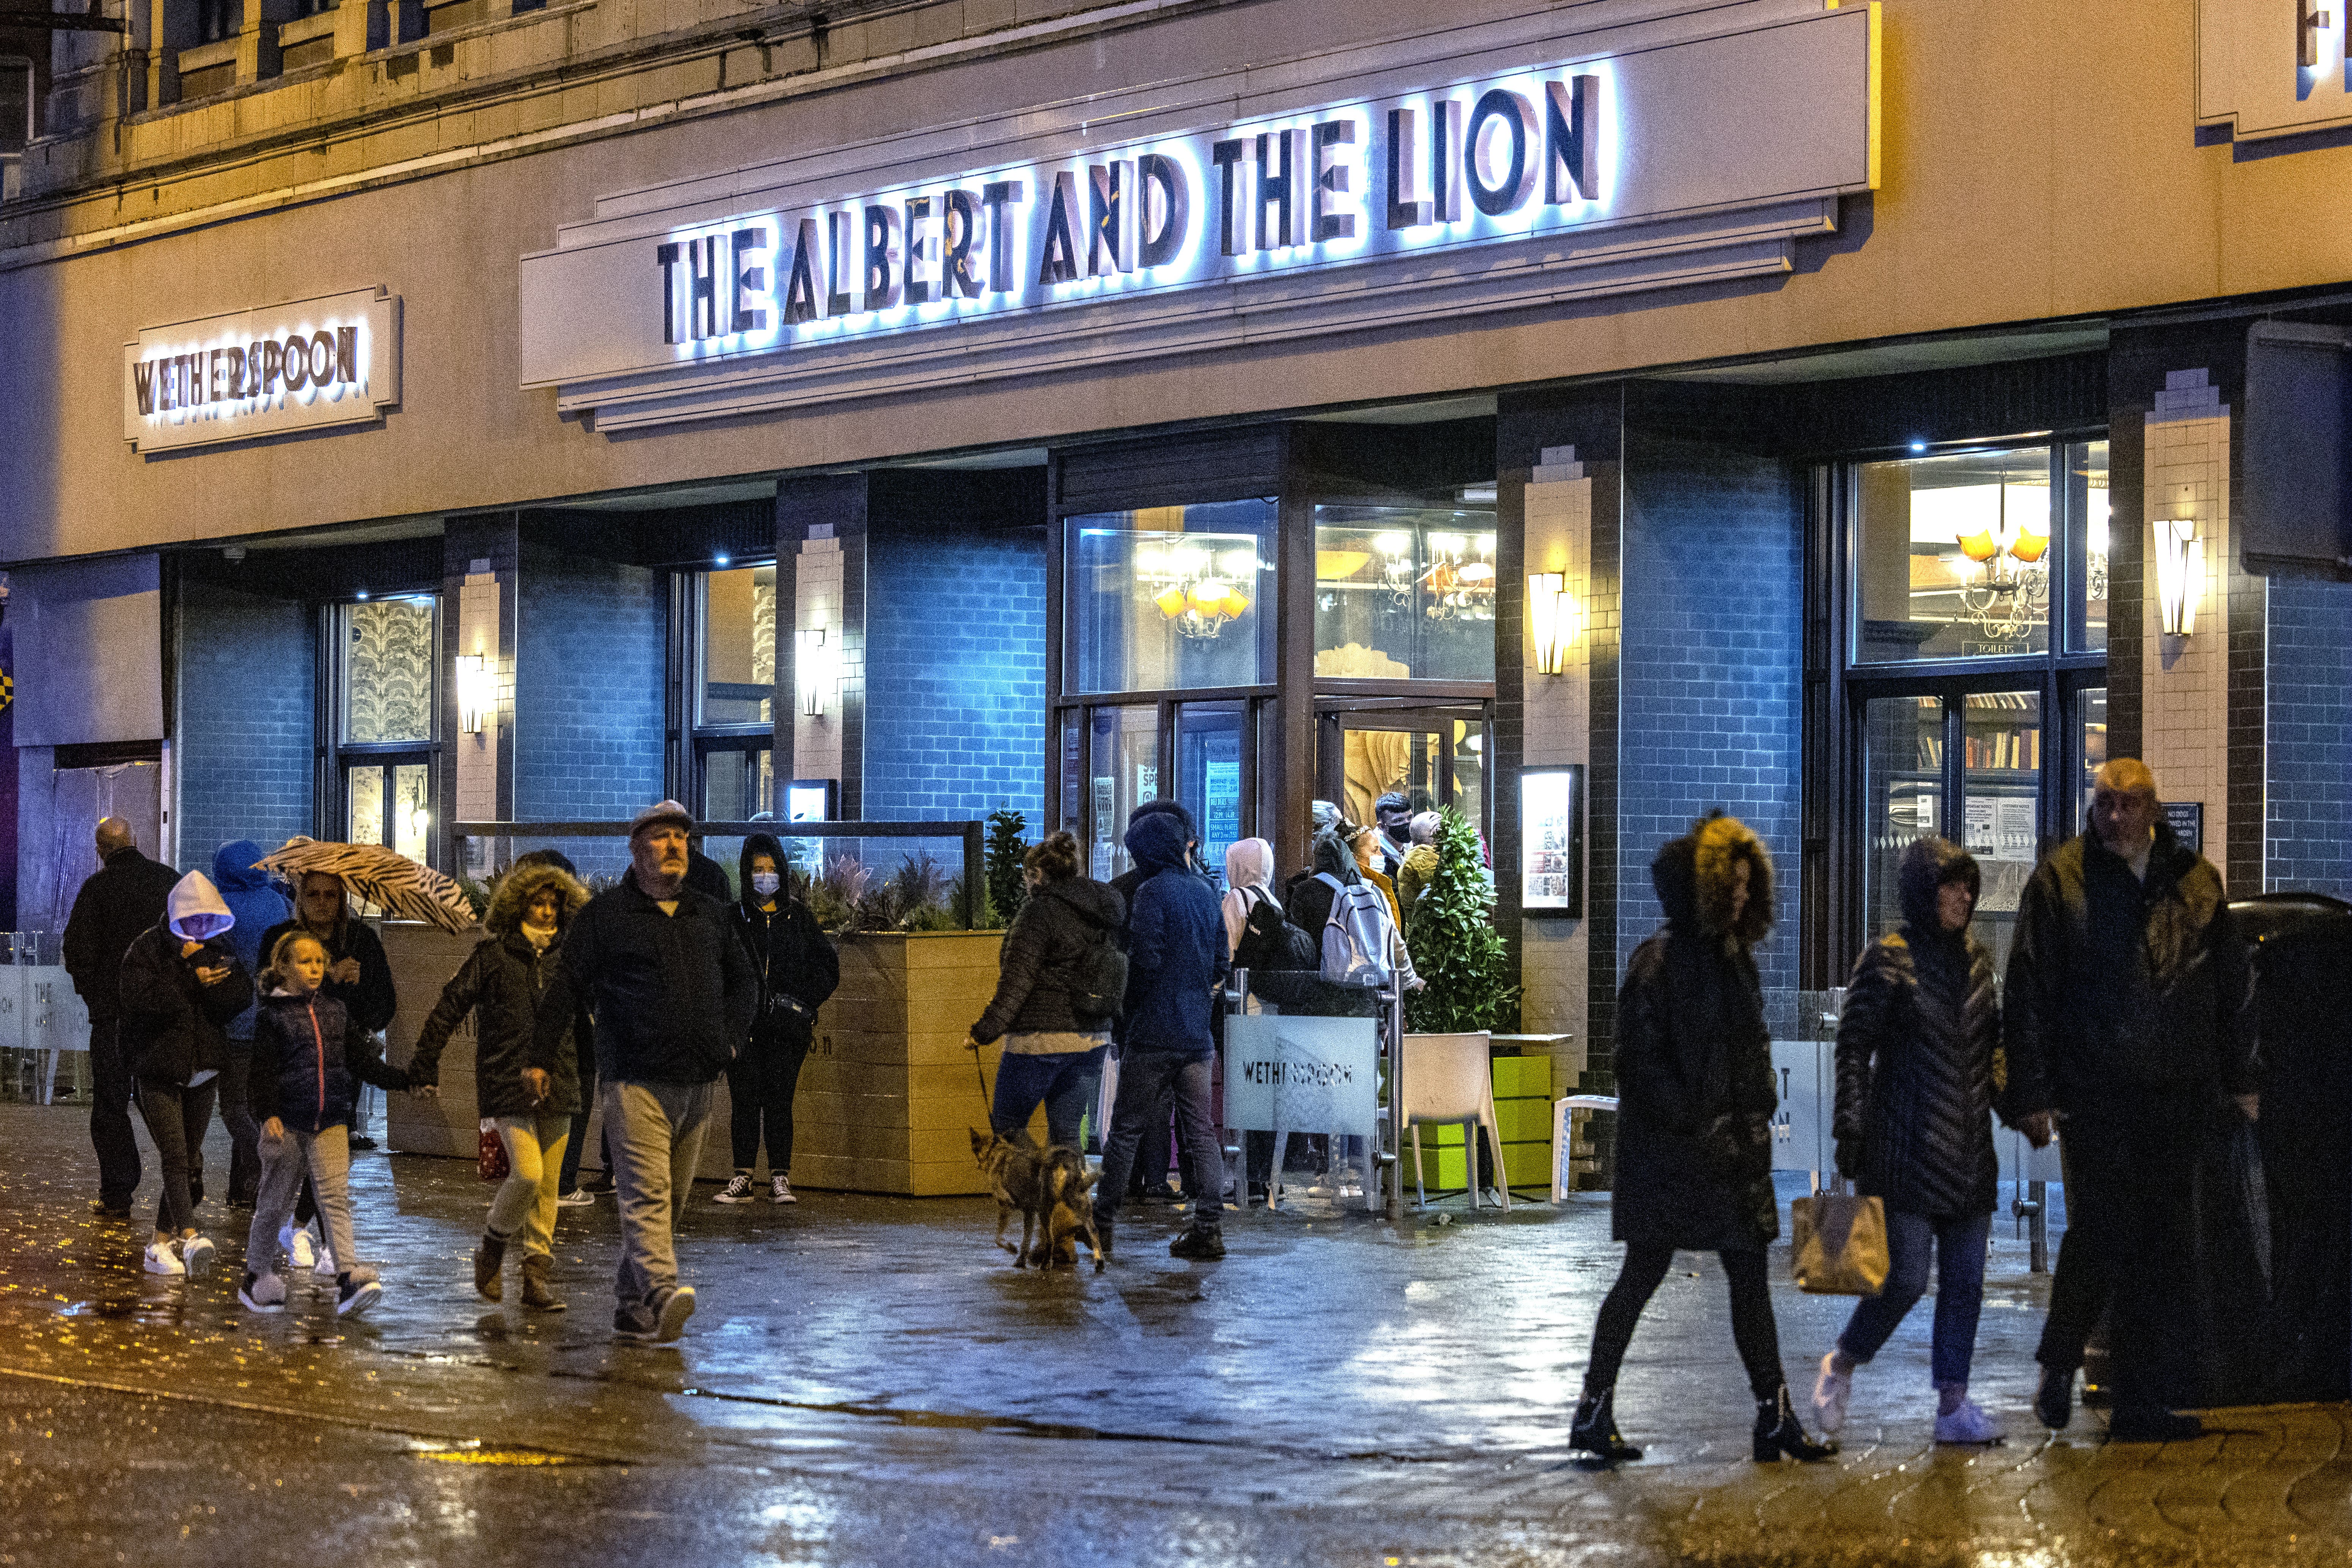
[381,876]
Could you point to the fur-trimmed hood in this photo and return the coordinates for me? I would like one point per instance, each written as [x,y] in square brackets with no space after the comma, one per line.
[519,886]
[1693,877]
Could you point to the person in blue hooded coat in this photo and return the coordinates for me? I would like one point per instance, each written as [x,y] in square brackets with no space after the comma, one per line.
[254,898]
[1175,960]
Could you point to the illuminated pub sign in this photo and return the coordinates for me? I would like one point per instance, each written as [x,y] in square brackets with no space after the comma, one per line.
[1541,172]
[334,360]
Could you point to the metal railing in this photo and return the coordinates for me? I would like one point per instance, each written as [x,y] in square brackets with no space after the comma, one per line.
[969,834]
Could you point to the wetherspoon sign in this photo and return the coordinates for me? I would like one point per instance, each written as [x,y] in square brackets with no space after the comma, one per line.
[1700,157]
[334,360]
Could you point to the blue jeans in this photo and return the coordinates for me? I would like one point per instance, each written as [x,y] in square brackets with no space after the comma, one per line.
[1065,1082]
[1958,1244]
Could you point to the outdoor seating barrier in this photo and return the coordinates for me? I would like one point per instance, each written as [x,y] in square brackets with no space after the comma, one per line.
[1563,1116]
[41,1015]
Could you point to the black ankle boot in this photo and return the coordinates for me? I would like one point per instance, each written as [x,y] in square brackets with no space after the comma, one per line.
[1778,1433]
[1594,1431]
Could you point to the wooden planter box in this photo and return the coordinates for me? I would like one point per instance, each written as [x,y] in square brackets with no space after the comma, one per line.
[884,1100]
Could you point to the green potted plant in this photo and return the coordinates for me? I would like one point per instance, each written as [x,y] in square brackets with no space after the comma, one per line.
[1455,945]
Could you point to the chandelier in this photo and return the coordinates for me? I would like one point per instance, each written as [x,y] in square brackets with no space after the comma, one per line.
[1198,585]
[2004,577]
[1459,582]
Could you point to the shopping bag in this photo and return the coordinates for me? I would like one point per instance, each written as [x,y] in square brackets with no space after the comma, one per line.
[491,1162]
[1838,1244]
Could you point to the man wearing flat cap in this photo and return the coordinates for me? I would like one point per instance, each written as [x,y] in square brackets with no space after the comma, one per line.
[673,994]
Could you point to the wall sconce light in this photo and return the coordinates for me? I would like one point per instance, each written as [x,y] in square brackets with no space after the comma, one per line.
[813,664]
[1551,618]
[476,694]
[2179,573]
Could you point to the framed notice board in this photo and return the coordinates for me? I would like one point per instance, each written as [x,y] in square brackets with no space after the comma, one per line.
[2188,820]
[1551,841]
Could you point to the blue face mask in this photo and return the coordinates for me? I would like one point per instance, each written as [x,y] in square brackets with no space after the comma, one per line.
[765,883]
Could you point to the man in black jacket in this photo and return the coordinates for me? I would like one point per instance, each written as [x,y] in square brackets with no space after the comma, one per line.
[673,994]
[2129,1013]
[122,898]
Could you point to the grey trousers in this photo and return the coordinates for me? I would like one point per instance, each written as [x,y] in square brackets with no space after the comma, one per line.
[655,1133]
[325,1157]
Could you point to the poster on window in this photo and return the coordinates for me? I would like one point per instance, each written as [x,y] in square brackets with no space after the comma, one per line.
[1221,812]
[1551,841]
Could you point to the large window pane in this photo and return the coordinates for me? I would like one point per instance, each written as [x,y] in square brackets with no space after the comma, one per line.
[1170,597]
[2091,745]
[1209,776]
[388,670]
[739,645]
[1902,762]
[738,785]
[1954,556]
[1123,769]
[364,788]
[412,814]
[2086,469]
[2002,801]
[1469,763]
[1404,594]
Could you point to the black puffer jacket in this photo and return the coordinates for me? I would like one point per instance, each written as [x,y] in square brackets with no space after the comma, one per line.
[1694,1083]
[797,963]
[308,1063]
[501,984]
[1058,924]
[1916,1052]
[673,994]
[2118,983]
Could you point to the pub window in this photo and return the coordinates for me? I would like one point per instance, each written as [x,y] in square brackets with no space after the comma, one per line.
[386,700]
[1170,598]
[732,648]
[1404,592]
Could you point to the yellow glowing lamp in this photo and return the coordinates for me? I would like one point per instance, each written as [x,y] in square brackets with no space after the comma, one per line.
[1171,602]
[1236,603]
[1979,546]
[1477,572]
[2029,545]
[1338,565]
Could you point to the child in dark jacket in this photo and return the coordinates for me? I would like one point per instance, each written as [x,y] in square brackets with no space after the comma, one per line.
[305,1077]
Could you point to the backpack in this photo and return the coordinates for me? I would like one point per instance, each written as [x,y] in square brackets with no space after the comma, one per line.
[1356,937]
[1269,942]
[1097,977]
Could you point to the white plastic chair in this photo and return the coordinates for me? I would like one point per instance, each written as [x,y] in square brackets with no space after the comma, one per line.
[1449,1080]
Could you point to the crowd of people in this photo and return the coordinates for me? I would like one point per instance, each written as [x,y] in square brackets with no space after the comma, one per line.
[2124,1019]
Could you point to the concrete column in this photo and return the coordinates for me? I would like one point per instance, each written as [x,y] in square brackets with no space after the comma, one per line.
[172,26]
[481,558]
[258,55]
[822,521]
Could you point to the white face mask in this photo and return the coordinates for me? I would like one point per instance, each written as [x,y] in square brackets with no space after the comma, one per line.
[765,883]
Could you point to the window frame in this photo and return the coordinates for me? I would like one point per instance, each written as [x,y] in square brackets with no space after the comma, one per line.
[337,755]
[692,741]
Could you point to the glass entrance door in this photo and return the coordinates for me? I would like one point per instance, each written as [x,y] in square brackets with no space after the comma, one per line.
[389,801]
[1436,757]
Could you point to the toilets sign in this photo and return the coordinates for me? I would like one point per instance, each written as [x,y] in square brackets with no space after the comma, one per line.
[304,366]
[1542,172]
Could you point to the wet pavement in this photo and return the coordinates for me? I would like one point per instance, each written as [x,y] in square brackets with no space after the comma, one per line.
[868,1381]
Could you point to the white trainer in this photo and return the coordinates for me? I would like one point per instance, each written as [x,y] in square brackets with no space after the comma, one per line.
[196,1254]
[161,1259]
[1969,1424]
[1832,1389]
[299,1248]
[780,1191]
[325,1267]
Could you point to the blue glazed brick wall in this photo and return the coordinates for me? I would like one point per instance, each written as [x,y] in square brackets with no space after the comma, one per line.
[247,675]
[1711,674]
[2307,834]
[955,676]
[589,655]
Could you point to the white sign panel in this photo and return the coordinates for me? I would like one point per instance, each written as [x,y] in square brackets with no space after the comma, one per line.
[302,365]
[1301,1075]
[1630,167]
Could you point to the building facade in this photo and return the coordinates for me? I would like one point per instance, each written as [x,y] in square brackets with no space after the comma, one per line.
[1863,418]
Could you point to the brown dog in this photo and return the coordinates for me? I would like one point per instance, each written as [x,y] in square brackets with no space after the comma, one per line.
[1067,1189]
[1013,1166]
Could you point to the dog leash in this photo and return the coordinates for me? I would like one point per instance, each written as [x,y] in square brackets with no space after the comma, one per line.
[987,1103]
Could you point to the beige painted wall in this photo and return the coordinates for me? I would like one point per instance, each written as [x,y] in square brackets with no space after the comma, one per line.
[2039,161]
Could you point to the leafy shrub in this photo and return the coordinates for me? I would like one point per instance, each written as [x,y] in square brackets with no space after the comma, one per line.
[1455,946]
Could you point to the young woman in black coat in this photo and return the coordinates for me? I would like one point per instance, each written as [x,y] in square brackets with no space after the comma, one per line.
[798,970]
[1053,1049]
[1914,1128]
[1694,1125]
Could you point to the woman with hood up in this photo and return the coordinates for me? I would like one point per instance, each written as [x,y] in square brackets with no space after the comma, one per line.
[529,1097]
[1053,1049]
[1696,1099]
[798,969]
[1915,1081]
